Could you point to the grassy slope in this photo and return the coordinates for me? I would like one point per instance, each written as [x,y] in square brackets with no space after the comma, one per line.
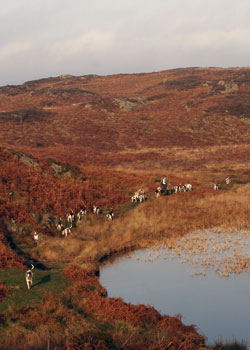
[43,282]
[171,122]
[82,117]
[54,311]
[94,239]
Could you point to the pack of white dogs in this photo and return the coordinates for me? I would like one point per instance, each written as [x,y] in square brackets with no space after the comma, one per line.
[71,218]
[139,196]
[187,187]
[176,189]
[110,215]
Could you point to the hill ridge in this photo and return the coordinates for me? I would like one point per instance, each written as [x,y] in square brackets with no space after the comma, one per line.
[186,107]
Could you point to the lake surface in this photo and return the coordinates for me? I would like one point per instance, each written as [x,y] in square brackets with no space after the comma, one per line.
[194,283]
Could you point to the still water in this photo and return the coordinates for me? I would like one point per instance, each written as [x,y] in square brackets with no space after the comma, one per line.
[218,306]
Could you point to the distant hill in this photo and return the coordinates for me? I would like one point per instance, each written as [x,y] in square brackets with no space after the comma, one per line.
[93,115]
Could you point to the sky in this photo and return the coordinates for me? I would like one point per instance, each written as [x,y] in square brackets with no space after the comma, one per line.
[44,38]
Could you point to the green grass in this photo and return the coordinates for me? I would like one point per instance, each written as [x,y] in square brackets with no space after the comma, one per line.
[43,281]
[123,208]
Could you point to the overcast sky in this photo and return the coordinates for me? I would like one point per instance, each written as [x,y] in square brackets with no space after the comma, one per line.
[42,38]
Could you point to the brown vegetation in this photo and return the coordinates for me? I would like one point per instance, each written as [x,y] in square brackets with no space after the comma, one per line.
[4,290]
[27,191]
[84,117]
[95,140]
[83,319]
[8,258]
[157,221]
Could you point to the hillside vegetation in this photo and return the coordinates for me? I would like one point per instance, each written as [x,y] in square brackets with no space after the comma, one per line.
[94,115]
[70,142]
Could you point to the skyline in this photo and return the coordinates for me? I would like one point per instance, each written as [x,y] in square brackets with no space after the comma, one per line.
[43,38]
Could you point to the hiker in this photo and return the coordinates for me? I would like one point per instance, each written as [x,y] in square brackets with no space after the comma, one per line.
[36,238]
[164,184]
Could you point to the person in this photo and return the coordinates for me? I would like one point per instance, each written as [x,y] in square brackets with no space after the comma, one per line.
[36,238]
[164,180]
[164,184]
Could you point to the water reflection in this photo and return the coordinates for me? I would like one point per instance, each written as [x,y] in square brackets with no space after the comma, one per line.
[218,306]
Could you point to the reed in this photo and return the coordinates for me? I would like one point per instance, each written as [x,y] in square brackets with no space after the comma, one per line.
[234,345]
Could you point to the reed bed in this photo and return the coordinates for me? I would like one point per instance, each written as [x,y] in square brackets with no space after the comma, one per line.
[224,251]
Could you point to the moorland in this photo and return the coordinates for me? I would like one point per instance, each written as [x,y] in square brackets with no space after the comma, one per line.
[68,142]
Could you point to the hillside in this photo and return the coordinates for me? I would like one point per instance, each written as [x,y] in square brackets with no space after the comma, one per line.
[81,119]
[70,142]
[67,299]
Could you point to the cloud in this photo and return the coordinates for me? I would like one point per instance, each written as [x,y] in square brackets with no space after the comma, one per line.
[53,37]
[14,49]
[215,39]
[94,41]
[247,11]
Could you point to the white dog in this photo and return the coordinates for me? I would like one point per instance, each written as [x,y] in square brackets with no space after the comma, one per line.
[29,276]
[66,231]
[110,216]
[59,226]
